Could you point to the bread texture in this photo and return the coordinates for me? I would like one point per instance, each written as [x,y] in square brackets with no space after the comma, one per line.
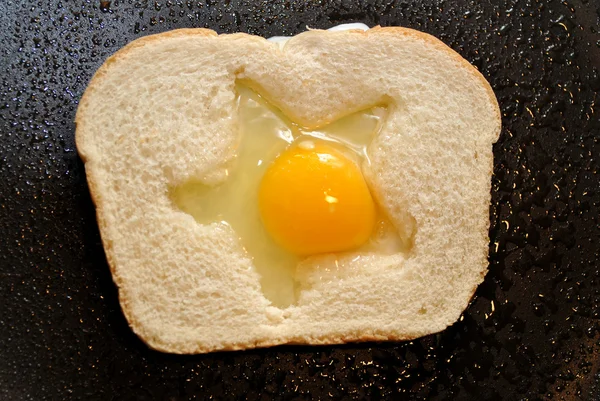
[162,111]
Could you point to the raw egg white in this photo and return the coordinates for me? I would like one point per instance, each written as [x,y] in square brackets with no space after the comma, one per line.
[293,192]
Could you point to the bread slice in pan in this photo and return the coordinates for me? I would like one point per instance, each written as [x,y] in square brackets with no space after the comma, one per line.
[162,112]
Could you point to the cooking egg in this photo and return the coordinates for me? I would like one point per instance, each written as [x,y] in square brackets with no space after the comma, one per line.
[293,193]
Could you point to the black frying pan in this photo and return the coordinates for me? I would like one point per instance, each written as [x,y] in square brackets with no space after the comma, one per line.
[532,331]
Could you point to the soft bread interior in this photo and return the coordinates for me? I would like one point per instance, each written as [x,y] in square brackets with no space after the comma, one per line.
[162,112]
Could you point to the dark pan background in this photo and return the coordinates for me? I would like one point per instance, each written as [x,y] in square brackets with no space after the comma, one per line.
[532,331]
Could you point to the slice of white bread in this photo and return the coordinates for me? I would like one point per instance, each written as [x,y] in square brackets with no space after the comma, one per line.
[162,111]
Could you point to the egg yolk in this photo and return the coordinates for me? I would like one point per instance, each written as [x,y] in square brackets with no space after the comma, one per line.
[313,199]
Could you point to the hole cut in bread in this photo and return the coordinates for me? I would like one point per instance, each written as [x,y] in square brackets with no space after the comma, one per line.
[264,132]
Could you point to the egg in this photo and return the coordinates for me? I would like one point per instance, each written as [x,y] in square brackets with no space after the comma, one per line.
[293,192]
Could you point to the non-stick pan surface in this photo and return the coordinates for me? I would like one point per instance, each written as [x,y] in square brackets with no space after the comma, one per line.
[533,329]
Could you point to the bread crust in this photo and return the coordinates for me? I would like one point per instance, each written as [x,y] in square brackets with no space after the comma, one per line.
[99,200]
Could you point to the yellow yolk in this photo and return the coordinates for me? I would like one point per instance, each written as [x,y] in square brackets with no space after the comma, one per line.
[313,199]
